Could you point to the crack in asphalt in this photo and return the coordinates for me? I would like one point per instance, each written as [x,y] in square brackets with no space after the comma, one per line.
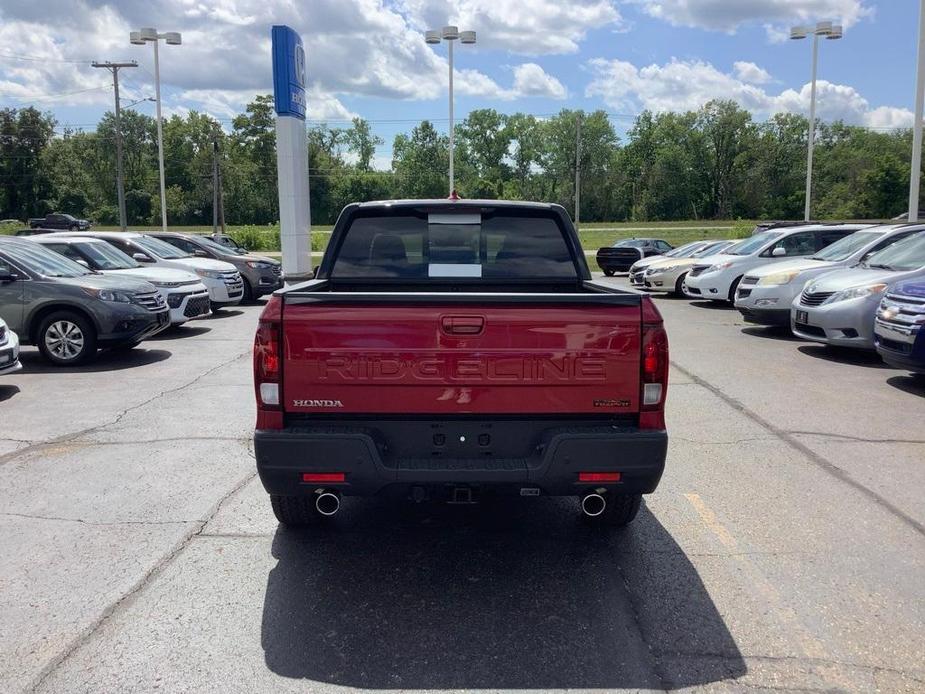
[816,459]
[77,435]
[127,598]
[858,439]
[751,439]
[88,522]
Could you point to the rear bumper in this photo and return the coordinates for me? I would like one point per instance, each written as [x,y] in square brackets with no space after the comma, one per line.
[284,455]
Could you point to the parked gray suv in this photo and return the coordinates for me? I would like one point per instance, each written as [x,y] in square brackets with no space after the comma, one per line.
[261,275]
[68,311]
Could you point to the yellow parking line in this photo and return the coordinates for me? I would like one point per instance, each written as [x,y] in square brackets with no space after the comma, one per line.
[759,584]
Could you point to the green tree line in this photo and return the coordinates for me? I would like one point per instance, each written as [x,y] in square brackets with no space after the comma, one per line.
[714,163]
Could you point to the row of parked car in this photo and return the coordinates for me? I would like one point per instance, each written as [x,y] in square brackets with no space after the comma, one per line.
[848,285]
[72,293]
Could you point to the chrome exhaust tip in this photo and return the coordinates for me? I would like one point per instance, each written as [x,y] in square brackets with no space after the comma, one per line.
[327,503]
[593,505]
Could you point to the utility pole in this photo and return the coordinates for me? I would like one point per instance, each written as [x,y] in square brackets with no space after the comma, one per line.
[915,178]
[578,172]
[120,182]
[215,187]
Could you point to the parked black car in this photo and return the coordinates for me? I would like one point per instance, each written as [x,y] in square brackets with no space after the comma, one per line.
[68,311]
[621,256]
[58,221]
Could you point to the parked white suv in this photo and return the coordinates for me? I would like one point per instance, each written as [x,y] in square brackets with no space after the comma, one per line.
[716,278]
[184,293]
[9,350]
[765,294]
[221,279]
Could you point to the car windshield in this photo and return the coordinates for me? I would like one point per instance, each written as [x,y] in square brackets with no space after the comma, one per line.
[684,251]
[213,246]
[712,249]
[848,246]
[902,256]
[106,257]
[159,248]
[629,243]
[754,244]
[43,261]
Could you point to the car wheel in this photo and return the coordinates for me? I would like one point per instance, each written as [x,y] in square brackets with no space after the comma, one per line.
[66,338]
[295,511]
[248,293]
[620,510]
[73,227]
[609,273]
[732,290]
[680,287]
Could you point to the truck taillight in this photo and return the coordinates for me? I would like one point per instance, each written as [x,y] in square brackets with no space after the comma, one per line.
[654,369]
[268,365]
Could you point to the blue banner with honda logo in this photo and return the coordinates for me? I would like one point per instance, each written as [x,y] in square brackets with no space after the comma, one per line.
[288,72]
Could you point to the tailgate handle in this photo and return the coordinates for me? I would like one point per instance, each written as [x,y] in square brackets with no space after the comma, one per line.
[462,325]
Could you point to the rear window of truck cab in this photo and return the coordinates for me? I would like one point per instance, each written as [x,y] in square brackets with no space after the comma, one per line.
[499,245]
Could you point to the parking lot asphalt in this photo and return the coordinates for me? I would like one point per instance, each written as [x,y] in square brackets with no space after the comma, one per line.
[785,548]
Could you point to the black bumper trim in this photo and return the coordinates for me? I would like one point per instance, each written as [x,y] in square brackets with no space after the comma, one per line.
[283,455]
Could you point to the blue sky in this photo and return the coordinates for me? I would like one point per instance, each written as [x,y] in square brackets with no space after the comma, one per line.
[367,57]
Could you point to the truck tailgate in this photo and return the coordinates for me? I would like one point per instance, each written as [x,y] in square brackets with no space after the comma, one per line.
[457,359]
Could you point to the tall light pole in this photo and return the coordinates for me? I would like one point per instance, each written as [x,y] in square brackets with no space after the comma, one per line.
[450,34]
[120,181]
[915,177]
[171,38]
[831,32]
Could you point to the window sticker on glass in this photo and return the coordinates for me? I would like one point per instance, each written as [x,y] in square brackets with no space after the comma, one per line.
[454,270]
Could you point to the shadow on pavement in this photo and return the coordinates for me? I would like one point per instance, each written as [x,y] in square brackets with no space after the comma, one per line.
[915,385]
[7,392]
[34,363]
[845,355]
[714,305]
[511,594]
[180,332]
[225,313]
[771,332]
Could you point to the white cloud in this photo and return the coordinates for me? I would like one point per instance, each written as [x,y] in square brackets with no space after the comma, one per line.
[531,80]
[687,85]
[730,15]
[353,47]
[527,28]
[751,73]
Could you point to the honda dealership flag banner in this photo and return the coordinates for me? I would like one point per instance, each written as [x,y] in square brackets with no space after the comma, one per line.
[291,152]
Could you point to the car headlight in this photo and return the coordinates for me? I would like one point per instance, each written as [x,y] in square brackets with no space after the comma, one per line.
[856,293]
[259,264]
[210,274]
[718,267]
[778,278]
[113,295]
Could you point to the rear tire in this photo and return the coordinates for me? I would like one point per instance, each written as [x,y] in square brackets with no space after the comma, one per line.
[66,338]
[620,511]
[295,511]
[609,273]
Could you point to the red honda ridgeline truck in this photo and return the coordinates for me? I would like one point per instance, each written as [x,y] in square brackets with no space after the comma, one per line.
[449,349]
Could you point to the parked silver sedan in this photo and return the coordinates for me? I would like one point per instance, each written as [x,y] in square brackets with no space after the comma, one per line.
[839,307]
